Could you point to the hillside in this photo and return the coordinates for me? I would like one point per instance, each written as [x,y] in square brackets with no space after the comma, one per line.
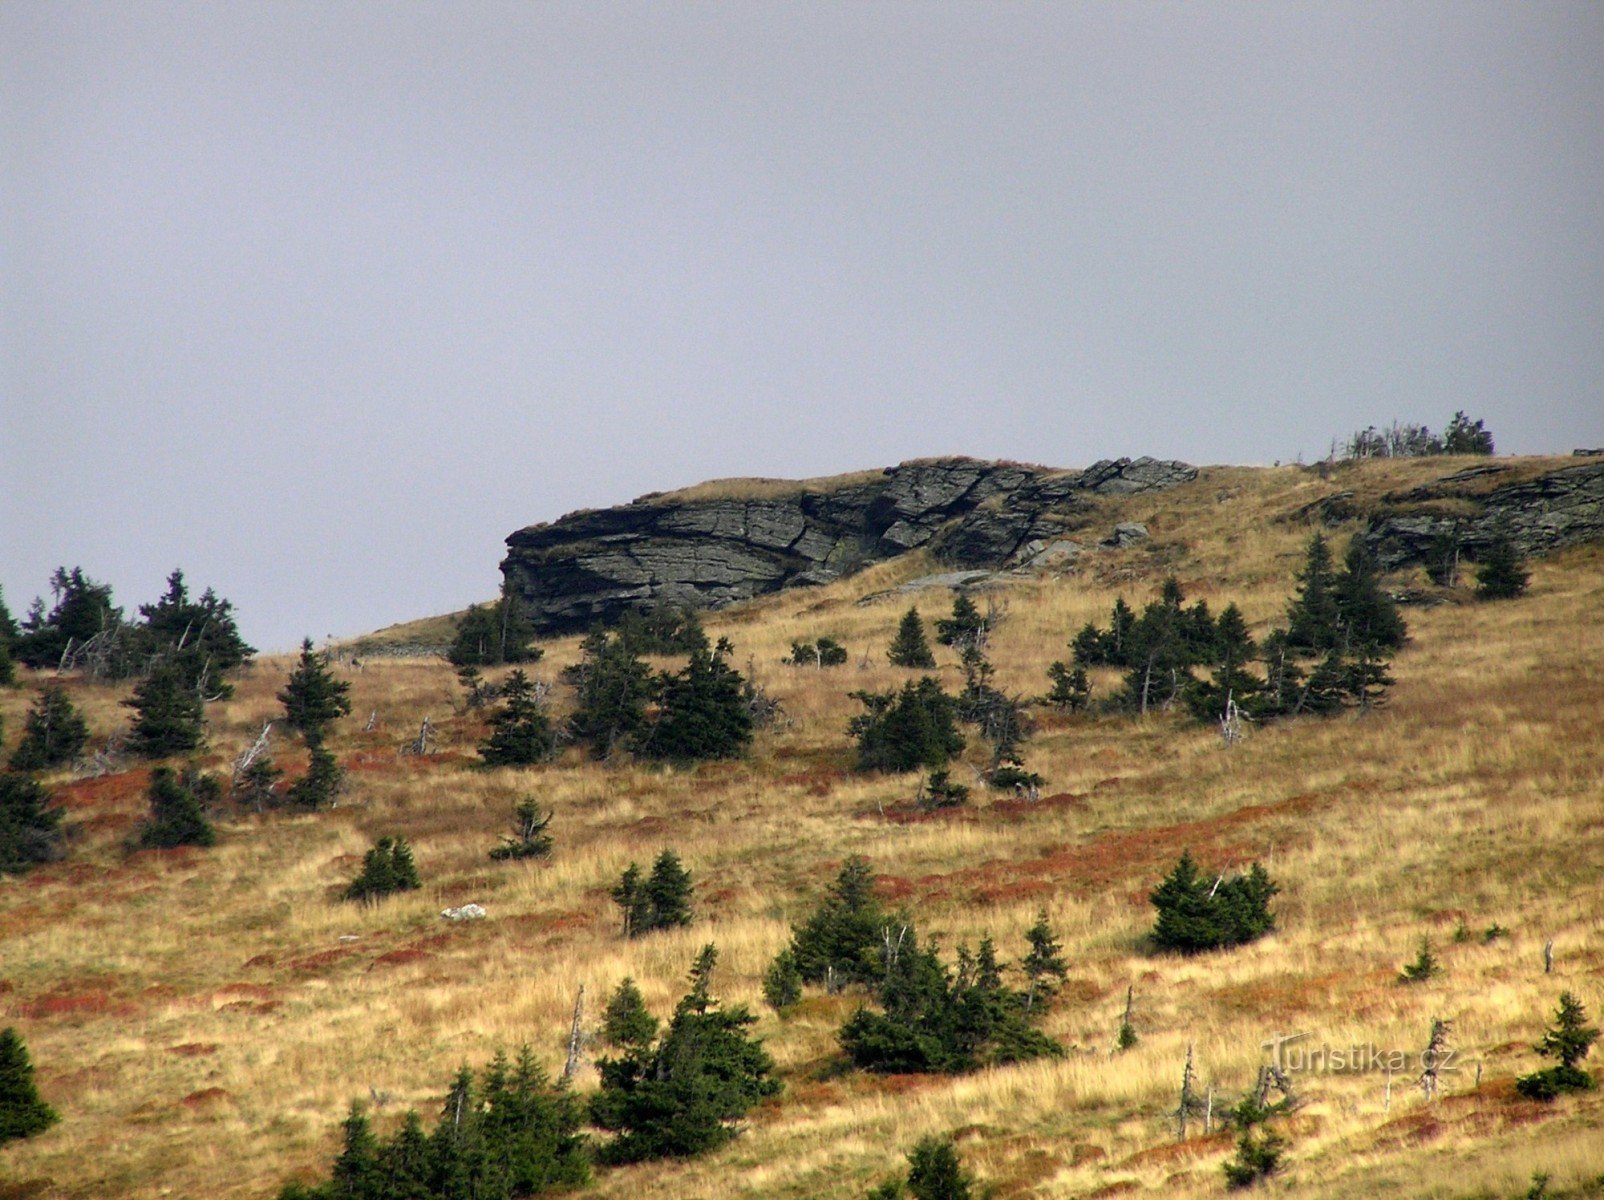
[202,1018]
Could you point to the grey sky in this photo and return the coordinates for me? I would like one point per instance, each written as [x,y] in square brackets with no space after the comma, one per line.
[322,300]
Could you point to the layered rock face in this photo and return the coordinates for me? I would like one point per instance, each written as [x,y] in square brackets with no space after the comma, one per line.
[594,565]
[1539,515]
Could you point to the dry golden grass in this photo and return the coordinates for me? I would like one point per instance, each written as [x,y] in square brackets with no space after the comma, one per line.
[201,1019]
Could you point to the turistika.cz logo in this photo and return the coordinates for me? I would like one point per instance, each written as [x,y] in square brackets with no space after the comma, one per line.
[1295,1055]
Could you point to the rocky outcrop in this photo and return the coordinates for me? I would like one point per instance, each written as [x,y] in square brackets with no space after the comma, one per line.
[592,566]
[1539,515]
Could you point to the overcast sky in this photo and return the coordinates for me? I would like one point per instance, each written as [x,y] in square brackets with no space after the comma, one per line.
[322,300]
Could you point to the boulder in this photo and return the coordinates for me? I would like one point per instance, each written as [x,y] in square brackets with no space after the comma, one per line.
[1126,533]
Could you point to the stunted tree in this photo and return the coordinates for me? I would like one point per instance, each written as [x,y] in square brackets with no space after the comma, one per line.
[1366,615]
[1464,436]
[177,817]
[910,647]
[388,867]
[613,688]
[53,733]
[661,900]
[626,1023]
[966,626]
[1313,615]
[23,1112]
[905,730]
[703,711]
[8,636]
[682,1094]
[841,942]
[199,637]
[491,634]
[313,698]
[169,715]
[520,732]
[83,610]
[1196,913]
[1568,1040]
[1501,573]
[30,830]
[1044,965]
[529,838]
[321,783]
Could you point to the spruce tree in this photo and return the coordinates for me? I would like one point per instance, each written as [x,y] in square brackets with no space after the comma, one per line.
[1569,1040]
[1501,574]
[1196,913]
[313,698]
[199,637]
[1044,965]
[935,1172]
[387,867]
[30,830]
[626,1023]
[520,733]
[682,1094]
[629,893]
[8,635]
[23,1112]
[1071,690]
[909,648]
[703,712]
[83,610]
[966,627]
[840,943]
[614,687]
[322,781]
[1367,616]
[1313,615]
[489,635]
[908,729]
[53,733]
[782,982]
[668,891]
[168,717]
[176,815]
[530,839]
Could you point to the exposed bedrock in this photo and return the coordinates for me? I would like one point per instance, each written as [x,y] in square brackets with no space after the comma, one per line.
[1550,512]
[593,565]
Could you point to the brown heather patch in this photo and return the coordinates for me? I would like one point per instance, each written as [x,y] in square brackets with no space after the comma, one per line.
[193,1049]
[205,1097]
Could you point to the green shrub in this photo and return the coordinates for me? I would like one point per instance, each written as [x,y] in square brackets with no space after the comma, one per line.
[386,868]
[1197,914]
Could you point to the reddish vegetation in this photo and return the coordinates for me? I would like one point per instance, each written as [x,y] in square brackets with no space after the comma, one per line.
[1111,858]
[247,991]
[106,790]
[1173,1151]
[193,1049]
[1119,1187]
[314,963]
[203,1097]
[397,957]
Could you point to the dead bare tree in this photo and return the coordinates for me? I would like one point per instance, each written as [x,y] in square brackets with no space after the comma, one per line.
[252,753]
[1434,1056]
[424,742]
[1190,1103]
[576,1037]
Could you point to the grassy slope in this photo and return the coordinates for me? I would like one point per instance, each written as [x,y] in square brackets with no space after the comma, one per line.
[202,1019]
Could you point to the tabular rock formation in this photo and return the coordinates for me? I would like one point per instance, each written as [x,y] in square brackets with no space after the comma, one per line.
[592,566]
[1539,515]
